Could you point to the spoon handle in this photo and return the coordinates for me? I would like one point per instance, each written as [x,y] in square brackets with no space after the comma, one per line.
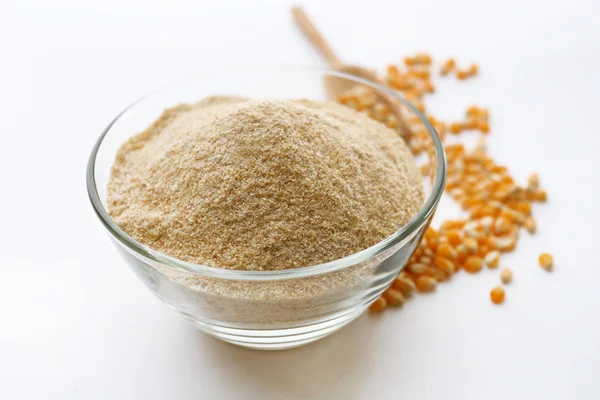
[311,32]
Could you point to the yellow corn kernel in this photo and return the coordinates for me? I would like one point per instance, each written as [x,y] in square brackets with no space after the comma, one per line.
[483,250]
[446,269]
[426,283]
[506,276]
[393,70]
[539,195]
[448,66]
[533,182]
[454,237]
[472,112]
[444,263]
[405,286]
[378,305]
[530,225]
[447,251]
[501,225]
[462,75]
[422,58]
[492,259]
[393,297]
[473,264]
[410,60]
[546,261]
[497,295]
[420,73]
[456,127]
[521,206]
[482,126]
[437,274]
[473,69]
[471,245]
[427,87]
[416,268]
[401,84]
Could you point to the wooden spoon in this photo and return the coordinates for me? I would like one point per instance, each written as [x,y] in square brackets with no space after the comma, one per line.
[335,86]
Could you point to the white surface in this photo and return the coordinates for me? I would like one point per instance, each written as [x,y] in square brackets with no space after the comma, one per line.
[77,324]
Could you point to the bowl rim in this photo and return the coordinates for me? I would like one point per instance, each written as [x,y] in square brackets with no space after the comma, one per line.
[422,216]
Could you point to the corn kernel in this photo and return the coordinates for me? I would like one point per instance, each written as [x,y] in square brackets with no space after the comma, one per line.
[426,284]
[378,305]
[405,286]
[456,127]
[530,225]
[533,182]
[416,268]
[473,264]
[492,259]
[506,276]
[448,66]
[393,297]
[546,261]
[462,75]
[497,295]
[447,251]
[473,69]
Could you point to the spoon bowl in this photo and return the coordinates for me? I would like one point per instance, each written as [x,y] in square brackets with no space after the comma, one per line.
[336,86]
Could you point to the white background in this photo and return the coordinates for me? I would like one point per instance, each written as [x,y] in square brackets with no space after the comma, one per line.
[76,323]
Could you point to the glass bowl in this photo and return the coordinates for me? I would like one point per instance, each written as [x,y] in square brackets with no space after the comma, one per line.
[263,309]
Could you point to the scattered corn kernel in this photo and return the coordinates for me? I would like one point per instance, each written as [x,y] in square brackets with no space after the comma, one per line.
[497,295]
[546,261]
[425,260]
[399,83]
[416,268]
[473,69]
[492,259]
[378,305]
[422,58]
[443,264]
[454,237]
[420,73]
[405,286]
[501,225]
[462,75]
[471,244]
[447,251]
[530,225]
[456,127]
[482,126]
[473,264]
[506,276]
[428,87]
[539,195]
[475,112]
[393,297]
[438,274]
[393,70]
[533,182]
[448,66]
[426,283]
[446,269]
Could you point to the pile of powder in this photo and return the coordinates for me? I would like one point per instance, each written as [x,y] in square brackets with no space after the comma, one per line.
[245,184]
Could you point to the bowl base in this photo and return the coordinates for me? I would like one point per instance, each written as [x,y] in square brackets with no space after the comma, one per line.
[278,339]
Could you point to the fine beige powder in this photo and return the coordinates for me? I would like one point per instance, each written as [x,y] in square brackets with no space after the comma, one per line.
[263,184]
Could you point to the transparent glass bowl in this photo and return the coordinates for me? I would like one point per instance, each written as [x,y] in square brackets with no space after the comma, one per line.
[273,309]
